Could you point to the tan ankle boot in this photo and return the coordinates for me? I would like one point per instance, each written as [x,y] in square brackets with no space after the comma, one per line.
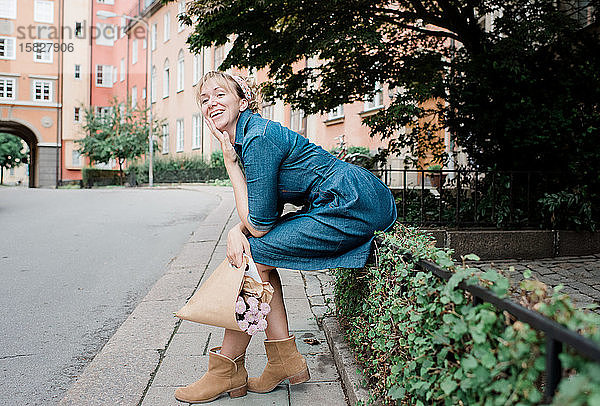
[223,375]
[283,362]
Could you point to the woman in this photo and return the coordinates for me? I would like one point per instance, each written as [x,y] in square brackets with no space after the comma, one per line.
[343,205]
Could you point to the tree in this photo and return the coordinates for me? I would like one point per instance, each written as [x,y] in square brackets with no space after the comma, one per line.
[121,133]
[11,153]
[523,94]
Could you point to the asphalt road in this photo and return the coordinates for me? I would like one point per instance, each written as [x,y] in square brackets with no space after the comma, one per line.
[73,265]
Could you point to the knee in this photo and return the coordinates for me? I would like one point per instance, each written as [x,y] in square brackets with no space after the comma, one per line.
[264,271]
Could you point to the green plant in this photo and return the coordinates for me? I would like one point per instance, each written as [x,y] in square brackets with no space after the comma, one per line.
[566,210]
[422,341]
[184,169]
[435,167]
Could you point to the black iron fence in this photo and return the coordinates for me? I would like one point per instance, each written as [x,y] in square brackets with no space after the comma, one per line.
[472,198]
[555,333]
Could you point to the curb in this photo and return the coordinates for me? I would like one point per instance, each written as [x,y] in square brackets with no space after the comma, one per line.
[345,363]
[121,372]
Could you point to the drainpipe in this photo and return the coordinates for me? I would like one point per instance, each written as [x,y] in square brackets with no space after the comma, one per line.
[59,98]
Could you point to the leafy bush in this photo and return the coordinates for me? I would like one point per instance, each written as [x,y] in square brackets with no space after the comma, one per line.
[100,177]
[567,209]
[422,341]
[186,169]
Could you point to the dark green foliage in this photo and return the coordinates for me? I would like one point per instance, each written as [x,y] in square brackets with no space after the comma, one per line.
[524,96]
[100,177]
[187,169]
[421,341]
[11,153]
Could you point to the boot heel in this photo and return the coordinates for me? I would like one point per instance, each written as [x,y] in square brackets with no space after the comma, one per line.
[239,392]
[300,377]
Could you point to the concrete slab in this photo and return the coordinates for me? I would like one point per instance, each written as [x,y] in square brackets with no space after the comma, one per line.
[319,393]
[162,396]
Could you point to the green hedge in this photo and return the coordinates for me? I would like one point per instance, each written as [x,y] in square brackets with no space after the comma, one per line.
[421,341]
[186,169]
[99,177]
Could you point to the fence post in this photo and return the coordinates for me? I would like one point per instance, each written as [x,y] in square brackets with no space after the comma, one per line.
[553,368]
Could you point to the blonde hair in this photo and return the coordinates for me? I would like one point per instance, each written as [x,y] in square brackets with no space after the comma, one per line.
[226,81]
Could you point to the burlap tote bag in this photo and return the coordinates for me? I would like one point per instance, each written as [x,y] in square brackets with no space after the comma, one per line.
[214,301]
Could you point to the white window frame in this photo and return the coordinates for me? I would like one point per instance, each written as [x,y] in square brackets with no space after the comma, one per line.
[106,1]
[143,93]
[115,75]
[337,112]
[196,131]
[374,101]
[153,87]
[78,30]
[197,65]
[153,34]
[13,88]
[166,79]
[134,51]
[8,9]
[134,97]
[180,71]
[180,131]
[267,111]
[77,114]
[77,73]
[76,158]
[9,44]
[47,56]
[166,27]
[180,10]
[122,68]
[105,40]
[43,84]
[218,56]
[165,138]
[41,6]
[297,121]
[106,75]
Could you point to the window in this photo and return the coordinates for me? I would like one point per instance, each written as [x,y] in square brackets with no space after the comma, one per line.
[196,131]
[153,85]
[267,111]
[104,76]
[42,90]
[7,88]
[180,71]
[43,11]
[134,51]
[337,112]
[165,138]
[167,27]
[77,114]
[376,100]
[180,134]
[143,93]
[153,37]
[106,1]
[219,56]
[77,71]
[197,67]
[181,10]
[79,30]
[122,68]
[134,96]
[8,9]
[7,47]
[42,51]
[114,74]
[144,43]
[166,77]
[76,158]
[106,34]
[298,122]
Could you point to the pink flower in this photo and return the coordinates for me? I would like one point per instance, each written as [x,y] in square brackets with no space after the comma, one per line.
[252,330]
[252,301]
[265,308]
[249,317]
[243,324]
[240,306]
[261,325]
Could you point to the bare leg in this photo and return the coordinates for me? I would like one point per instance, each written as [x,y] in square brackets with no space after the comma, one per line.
[235,342]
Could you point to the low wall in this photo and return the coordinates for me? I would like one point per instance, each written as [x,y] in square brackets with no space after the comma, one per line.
[518,244]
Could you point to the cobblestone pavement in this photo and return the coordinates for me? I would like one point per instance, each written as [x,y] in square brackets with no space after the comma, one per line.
[579,275]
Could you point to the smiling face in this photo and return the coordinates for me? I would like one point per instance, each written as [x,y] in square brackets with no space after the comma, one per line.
[219,102]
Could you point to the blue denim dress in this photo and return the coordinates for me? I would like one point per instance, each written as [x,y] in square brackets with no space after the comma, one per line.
[343,204]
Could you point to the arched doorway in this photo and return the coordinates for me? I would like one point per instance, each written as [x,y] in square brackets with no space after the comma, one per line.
[23,131]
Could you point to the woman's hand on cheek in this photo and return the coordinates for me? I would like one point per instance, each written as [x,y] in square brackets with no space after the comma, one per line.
[229,154]
[237,244]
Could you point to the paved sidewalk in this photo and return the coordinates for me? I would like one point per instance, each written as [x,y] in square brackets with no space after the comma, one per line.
[153,352]
[579,275]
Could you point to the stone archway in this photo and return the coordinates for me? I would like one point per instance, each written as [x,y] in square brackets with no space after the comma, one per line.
[27,134]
